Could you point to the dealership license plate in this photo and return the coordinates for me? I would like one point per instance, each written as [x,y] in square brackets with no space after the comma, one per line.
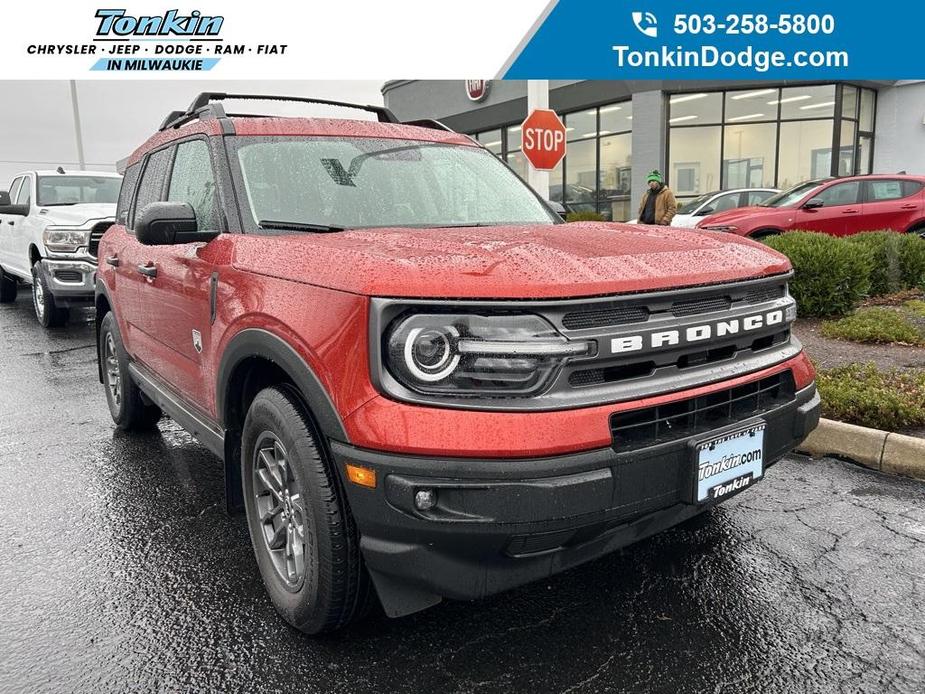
[729,463]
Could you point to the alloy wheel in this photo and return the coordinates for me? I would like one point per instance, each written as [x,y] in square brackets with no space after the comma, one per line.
[111,370]
[280,510]
[38,298]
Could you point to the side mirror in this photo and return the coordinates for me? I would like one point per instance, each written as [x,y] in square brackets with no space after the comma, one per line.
[813,204]
[19,210]
[557,207]
[169,223]
[704,211]
[5,198]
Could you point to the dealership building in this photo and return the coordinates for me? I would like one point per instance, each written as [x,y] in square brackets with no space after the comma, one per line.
[703,136]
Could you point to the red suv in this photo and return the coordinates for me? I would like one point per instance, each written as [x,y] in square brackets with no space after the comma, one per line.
[837,206]
[421,382]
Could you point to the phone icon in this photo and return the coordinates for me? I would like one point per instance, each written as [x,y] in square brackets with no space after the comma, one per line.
[646,23]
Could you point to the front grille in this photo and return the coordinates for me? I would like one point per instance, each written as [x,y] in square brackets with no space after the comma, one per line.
[95,235]
[757,296]
[677,420]
[68,276]
[708,305]
[602,316]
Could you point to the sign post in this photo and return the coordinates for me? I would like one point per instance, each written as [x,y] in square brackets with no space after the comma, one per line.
[537,98]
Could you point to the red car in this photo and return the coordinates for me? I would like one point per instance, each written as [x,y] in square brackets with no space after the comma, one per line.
[422,382]
[837,206]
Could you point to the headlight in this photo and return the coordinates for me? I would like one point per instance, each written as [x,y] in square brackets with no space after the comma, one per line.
[720,227]
[64,240]
[465,354]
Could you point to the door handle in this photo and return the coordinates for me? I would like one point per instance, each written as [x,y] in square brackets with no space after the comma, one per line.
[10,222]
[149,271]
[850,211]
[113,260]
[908,207]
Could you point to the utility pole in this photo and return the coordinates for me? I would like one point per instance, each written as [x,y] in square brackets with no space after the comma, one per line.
[537,97]
[78,134]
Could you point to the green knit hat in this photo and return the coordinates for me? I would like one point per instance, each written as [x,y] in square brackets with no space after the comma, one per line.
[654,176]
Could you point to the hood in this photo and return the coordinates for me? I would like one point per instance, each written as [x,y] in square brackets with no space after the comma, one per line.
[511,262]
[739,213]
[77,215]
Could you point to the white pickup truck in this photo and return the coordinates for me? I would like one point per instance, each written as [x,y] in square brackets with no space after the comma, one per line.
[51,223]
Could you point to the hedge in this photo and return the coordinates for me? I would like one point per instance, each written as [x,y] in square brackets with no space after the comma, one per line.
[831,276]
[584,217]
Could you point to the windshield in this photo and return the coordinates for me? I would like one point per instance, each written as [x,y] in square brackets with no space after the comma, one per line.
[691,205]
[789,197]
[72,190]
[345,183]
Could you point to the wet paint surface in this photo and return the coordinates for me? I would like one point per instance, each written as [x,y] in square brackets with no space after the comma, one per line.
[120,571]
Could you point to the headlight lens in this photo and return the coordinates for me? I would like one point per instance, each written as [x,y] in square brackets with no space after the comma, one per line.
[65,240]
[481,355]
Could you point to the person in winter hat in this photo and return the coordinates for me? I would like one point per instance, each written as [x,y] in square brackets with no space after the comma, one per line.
[658,205]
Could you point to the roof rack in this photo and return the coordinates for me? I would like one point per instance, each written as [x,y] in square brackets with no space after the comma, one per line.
[203,107]
[431,123]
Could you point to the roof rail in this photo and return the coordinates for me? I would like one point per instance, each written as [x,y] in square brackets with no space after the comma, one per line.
[431,123]
[203,107]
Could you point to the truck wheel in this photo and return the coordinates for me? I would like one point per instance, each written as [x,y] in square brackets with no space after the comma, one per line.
[304,537]
[47,312]
[7,288]
[129,411]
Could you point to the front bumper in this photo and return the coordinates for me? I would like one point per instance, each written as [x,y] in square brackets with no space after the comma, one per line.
[500,523]
[70,281]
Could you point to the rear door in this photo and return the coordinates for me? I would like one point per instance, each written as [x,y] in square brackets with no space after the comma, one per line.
[174,326]
[840,211]
[891,204]
[7,221]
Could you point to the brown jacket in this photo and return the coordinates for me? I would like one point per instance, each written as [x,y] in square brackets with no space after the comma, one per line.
[666,207]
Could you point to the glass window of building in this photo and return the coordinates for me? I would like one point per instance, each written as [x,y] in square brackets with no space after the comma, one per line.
[817,101]
[751,105]
[808,153]
[694,160]
[491,139]
[846,162]
[849,102]
[581,176]
[580,125]
[616,176]
[616,118]
[695,109]
[748,155]
[867,109]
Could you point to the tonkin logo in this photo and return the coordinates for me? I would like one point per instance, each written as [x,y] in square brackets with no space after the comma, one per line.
[170,23]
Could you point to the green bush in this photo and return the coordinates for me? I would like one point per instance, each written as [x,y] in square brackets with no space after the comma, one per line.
[917,306]
[912,261]
[883,247]
[860,394]
[830,276]
[584,217]
[875,324]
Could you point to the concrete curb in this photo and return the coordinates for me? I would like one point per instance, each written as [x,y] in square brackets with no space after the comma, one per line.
[879,450]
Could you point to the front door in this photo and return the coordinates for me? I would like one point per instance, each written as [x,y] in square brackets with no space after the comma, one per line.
[840,210]
[7,221]
[173,283]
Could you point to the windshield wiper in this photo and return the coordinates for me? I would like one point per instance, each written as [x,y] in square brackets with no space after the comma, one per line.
[298,226]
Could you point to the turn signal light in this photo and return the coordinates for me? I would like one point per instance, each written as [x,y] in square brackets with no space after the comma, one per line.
[362,476]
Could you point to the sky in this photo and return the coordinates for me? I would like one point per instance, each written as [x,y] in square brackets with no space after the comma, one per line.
[37,123]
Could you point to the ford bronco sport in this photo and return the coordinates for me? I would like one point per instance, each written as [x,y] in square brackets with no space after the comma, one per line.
[420,381]
[50,225]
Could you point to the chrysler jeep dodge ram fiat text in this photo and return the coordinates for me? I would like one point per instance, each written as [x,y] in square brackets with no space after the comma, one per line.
[422,383]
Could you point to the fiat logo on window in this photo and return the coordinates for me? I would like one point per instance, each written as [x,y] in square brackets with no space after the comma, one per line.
[477,89]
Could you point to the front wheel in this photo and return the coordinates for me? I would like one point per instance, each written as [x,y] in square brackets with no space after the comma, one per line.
[305,540]
[918,231]
[126,405]
[48,313]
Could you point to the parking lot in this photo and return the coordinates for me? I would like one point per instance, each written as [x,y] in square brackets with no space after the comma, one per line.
[120,571]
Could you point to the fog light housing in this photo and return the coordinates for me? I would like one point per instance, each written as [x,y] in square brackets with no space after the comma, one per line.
[425,499]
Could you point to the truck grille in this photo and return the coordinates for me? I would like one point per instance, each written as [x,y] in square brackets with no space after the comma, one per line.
[95,235]
[684,418]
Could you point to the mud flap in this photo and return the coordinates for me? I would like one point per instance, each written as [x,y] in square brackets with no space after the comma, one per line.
[398,598]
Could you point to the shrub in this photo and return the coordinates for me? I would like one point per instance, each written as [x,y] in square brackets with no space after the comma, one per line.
[912,261]
[830,276]
[860,394]
[584,217]
[917,306]
[875,324]
[883,248]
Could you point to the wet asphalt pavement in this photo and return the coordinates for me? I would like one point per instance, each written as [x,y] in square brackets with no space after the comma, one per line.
[120,571]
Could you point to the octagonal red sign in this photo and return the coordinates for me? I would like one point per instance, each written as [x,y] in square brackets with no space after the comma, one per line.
[542,138]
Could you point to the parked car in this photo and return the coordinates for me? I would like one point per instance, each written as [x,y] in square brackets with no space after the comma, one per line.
[420,381]
[50,225]
[837,206]
[694,210]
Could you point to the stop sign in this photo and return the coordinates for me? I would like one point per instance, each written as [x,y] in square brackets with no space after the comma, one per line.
[543,139]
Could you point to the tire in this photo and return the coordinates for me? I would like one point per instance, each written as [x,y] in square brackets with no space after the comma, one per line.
[764,234]
[126,405]
[8,288]
[49,315]
[305,540]
[918,231]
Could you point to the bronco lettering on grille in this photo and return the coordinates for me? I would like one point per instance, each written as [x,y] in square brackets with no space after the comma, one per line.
[695,333]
